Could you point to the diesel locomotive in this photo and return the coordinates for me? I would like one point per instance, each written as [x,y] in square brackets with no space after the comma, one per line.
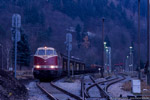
[50,64]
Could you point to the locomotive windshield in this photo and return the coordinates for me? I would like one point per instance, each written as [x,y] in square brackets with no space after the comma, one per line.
[41,52]
[49,52]
[46,52]
[55,53]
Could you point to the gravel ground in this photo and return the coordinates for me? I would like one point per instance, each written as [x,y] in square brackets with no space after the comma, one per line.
[74,87]
[100,80]
[87,81]
[118,90]
[34,92]
[94,92]
[95,99]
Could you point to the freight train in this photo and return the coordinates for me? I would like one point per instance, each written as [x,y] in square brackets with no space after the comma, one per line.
[50,64]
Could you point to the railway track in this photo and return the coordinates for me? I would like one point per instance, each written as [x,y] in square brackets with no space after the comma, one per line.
[103,94]
[116,81]
[54,92]
[86,83]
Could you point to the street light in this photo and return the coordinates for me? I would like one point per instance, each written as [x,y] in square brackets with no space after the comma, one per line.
[2,54]
[104,43]
[139,39]
[131,58]
[127,57]
[127,65]
[105,56]
[130,47]
[106,49]
[148,45]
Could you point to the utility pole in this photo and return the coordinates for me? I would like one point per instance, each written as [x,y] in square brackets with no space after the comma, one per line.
[148,45]
[139,76]
[103,46]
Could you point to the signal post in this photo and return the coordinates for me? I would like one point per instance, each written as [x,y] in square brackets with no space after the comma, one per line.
[16,26]
[68,48]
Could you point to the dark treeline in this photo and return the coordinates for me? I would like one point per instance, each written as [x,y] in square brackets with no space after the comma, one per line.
[45,23]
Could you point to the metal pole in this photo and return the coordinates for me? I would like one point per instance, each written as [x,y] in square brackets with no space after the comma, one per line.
[132,63]
[68,60]
[128,64]
[73,66]
[139,76]
[2,58]
[131,59]
[2,54]
[15,51]
[148,44]
[103,44]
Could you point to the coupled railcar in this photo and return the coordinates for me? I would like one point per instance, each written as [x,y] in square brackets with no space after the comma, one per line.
[49,64]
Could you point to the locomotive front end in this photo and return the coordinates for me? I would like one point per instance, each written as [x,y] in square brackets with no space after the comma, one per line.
[46,63]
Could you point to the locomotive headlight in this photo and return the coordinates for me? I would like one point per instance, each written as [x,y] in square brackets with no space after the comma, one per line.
[53,66]
[37,66]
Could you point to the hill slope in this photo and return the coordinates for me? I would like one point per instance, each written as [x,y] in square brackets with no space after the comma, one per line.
[46,23]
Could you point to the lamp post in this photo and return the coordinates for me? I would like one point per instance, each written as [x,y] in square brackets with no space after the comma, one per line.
[148,46]
[127,65]
[102,44]
[105,44]
[105,57]
[131,58]
[2,54]
[139,76]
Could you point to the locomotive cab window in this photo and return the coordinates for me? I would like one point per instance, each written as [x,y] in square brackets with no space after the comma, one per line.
[49,52]
[55,53]
[41,52]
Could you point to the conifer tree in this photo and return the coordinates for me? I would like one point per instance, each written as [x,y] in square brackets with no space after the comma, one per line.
[78,35]
[23,52]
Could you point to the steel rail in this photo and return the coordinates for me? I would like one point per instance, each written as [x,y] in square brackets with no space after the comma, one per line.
[66,92]
[51,96]
[46,92]
[104,92]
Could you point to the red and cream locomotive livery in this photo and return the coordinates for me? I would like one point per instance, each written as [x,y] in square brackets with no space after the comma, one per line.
[48,63]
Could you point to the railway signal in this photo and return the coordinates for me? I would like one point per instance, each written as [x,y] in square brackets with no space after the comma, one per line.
[68,37]
[69,48]
[16,26]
